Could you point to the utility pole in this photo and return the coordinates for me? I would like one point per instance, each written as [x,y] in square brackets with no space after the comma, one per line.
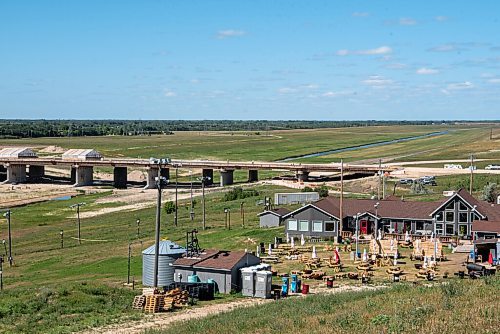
[341,209]
[471,185]
[379,178]
[77,206]
[159,180]
[138,222]
[203,179]
[242,212]
[191,212]
[7,215]
[1,272]
[357,234]
[176,187]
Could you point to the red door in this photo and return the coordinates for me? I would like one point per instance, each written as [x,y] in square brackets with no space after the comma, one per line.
[363,228]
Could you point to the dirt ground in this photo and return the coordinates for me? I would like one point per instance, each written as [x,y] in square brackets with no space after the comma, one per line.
[163,320]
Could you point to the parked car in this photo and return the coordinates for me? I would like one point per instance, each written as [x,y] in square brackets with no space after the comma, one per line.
[492,167]
[406,181]
[452,166]
[430,182]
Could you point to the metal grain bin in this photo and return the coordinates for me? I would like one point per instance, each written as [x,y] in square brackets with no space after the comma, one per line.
[169,252]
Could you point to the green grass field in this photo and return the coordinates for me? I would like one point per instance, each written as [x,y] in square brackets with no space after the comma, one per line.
[458,307]
[269,146]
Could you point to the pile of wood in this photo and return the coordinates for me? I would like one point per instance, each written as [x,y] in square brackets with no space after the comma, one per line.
[314,275]
[161,302]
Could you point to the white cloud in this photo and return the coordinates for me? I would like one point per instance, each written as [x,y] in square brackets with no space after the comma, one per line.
[377,81]
[382,50]
[360,14]
[460,85]
[441,18]
[286,90]
[425,70]
[407,21]
[335,94]
[446,48]
[494,80]
[222,34]
[169,93]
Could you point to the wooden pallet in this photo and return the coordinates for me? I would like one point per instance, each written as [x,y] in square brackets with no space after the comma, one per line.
[139,302]
[154,303]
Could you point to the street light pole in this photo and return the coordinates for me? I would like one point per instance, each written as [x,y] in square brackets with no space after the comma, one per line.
[203,180]
[376,218]
[138,222]
[62,238]
[191,213]
[128,265]
[157,230]
[7,215]
[77,206]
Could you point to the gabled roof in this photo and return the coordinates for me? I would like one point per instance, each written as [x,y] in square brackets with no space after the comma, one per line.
[486,226]
[166,247]
[467,198]
[82,153]
[17,152]
[214,259]
[280,212]
[315,206]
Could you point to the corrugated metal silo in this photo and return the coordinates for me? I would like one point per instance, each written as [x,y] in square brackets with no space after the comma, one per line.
[169,252]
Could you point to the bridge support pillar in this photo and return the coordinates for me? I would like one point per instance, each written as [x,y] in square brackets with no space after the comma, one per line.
[35,173]
[120,177]
[84,176]
[302,176]
[208,173]
[165,172]
[151,174]
[16,173]
[3,173]
[253,175]
[226,177]
[73,175]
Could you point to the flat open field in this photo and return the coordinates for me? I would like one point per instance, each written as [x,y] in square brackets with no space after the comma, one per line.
[276,145]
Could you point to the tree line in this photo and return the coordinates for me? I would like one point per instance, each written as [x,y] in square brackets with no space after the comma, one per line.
[78,128]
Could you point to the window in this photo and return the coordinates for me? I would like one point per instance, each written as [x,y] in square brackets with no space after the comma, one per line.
[304,225]
[439,216]
[450,216]
[473,217]
[329,226]
[450,229]
[439,229]
[419,225]
[463,229]
[462,206]
[450,206]
[317,226]
[292,225]
[462,217]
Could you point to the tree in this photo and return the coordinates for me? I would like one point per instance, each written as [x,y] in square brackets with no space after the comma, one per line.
[307,189]
[169,207]
[490,192]
[322,191]
[418,188]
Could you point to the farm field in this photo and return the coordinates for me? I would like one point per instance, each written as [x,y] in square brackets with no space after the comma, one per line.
[265,146]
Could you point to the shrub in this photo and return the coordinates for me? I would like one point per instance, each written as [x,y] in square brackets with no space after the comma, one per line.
[239,193]
[169,207]
[490,192]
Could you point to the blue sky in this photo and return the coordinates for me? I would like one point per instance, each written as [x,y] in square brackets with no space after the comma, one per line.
[259,59]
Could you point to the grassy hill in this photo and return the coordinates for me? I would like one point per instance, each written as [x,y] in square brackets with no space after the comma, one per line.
[457,307]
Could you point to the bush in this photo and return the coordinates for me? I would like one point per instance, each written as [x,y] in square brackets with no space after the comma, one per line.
[239,193]
[322,190]
[490,192]
[169,207]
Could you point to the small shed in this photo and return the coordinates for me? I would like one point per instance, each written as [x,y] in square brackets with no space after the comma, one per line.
[17,152]
[220,267]
[487,239]
[272,218]
[168,253]
[81,154]
[295,198]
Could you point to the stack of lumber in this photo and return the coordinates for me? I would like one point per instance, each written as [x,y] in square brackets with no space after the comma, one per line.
[426,248]
[179,297]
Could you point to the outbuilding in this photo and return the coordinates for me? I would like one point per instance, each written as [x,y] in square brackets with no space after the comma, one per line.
[272,218]
[81,154]
[487,239]
[220,267]
[17,152]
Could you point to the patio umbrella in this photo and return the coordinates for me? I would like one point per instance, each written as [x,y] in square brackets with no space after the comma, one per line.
[407,236]
[379,236]
[302,240]
[395,259]
[425,262]
[365,255]
[270,250]
[287,238]
[258,251]
[292,243]
[490,259]
[314,255]
[336,256]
